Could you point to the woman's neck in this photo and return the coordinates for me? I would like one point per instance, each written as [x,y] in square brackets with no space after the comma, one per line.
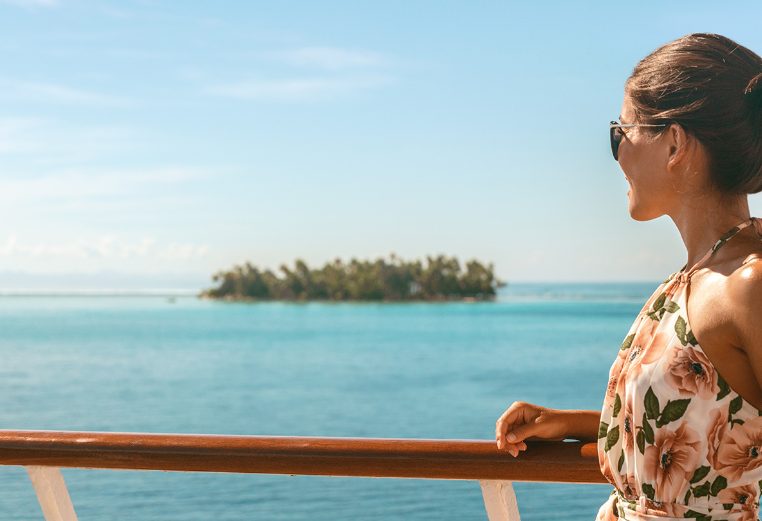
[701,221]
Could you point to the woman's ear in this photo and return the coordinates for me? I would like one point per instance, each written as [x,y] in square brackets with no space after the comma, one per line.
[680,145]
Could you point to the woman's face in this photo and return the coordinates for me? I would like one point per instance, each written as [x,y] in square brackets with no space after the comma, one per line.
[643,158]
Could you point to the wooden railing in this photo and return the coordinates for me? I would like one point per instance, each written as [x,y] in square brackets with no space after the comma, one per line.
[44,452]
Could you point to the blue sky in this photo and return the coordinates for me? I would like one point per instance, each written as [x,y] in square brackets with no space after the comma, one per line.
[150,144]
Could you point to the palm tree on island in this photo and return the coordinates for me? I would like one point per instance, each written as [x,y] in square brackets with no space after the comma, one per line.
[439,278]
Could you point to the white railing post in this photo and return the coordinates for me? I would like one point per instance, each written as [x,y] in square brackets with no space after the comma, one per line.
[49,484]
[499,500]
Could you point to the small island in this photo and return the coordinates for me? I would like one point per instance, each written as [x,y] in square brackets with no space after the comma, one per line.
[440,278]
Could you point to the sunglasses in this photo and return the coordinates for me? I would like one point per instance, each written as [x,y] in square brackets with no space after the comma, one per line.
[616,134]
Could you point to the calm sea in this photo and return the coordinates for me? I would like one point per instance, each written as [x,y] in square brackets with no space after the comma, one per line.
[368,370]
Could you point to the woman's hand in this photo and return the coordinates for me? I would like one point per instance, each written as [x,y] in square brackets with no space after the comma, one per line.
[522,421]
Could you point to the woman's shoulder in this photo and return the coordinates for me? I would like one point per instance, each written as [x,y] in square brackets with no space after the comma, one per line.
[744,300]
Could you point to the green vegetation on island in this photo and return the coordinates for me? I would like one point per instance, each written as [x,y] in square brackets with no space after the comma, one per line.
[439,278]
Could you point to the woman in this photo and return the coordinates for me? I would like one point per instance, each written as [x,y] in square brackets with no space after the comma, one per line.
[680,432]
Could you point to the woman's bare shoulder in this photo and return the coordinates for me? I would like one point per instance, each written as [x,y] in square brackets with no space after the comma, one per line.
[744,301]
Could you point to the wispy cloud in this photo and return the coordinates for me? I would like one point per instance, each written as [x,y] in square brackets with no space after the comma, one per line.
[302,89]
[330,58]
[41,92]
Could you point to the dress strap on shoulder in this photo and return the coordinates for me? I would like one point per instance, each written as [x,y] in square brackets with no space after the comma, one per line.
[683,275]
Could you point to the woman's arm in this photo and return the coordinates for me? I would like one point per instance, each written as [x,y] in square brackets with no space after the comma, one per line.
[581,424]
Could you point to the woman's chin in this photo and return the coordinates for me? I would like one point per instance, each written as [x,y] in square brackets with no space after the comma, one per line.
[638,213]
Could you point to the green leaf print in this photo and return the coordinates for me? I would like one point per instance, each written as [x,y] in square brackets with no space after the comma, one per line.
[602,428]
[720,483]
[734,421]
[735,404]
[611,438]
[702,490]
[674,410]
[648,490]
[697,516]
[620,463]
[627,342]
[651,403]
[640,439]
[700,474]
[687,496]
[680,329]
[617,405]
[724,388]
[657,309]
[690,338]
[672,307]
[659,302]
[648,432]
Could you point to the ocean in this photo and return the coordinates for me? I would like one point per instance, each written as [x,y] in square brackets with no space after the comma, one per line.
[413,370]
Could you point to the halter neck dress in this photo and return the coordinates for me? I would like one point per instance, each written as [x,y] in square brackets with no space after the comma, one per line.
[674,439]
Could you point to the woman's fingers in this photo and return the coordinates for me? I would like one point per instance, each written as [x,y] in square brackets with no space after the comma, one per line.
[514,448]
[506,420]
[518,432]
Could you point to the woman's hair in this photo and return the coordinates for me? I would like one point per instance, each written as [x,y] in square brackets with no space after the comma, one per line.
[712,87]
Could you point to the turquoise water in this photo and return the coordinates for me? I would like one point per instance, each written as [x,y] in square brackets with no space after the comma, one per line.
[445,370]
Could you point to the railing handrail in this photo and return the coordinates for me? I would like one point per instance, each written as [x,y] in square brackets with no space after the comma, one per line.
[550,461]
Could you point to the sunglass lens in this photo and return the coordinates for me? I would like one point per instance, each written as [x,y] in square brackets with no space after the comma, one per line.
[616,137]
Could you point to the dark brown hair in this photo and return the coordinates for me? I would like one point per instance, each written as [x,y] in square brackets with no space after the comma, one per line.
[712,87]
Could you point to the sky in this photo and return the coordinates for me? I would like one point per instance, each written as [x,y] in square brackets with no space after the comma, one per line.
[150,144]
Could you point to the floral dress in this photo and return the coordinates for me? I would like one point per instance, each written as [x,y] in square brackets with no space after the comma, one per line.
[674,439]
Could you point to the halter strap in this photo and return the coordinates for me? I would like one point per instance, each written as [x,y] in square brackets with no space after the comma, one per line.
[683,275]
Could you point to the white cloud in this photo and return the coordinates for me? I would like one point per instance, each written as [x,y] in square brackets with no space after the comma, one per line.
[305,89]
[59,94]
[331,58]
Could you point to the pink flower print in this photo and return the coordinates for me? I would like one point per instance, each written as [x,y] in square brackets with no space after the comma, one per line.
[690,372]
[603,463]
[631,490]
[655,348]
[614,376]
[643,335]
[717,425]
[743,495]
[748,515]
[621,384]
[662,509]
[604,460]
[670,462]
[740,449]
